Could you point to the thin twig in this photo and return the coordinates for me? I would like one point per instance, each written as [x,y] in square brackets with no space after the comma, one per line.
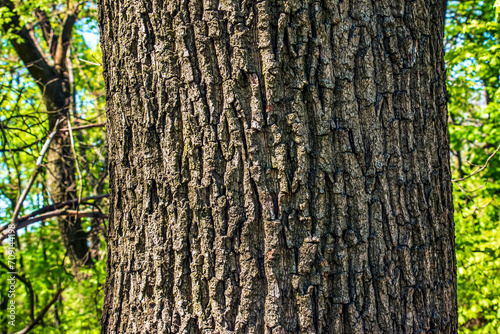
[13,161]
[86,61]
[56,213]
[56,206]
[479,169]
[83,127]
[76,160]
[35,173]
[60,205]
[71,139]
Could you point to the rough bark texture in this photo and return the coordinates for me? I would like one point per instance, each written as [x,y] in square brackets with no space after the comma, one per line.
[278,167]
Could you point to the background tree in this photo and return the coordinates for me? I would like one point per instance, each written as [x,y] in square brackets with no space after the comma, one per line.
[57,93]
[278,167]
[49,74]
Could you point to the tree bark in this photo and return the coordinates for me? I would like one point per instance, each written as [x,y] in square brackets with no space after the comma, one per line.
[278,167]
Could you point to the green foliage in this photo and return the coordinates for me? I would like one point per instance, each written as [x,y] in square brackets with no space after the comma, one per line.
[79,309]
[473,61]
[24,128]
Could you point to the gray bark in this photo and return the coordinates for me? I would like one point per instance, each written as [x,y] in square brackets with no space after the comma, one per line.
[278,167]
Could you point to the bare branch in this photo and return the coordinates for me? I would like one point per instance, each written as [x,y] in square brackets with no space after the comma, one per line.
[56,206]
[31,32]
[57,213]
[60,205]
[22,148]
[48,32]
[479,169]
[64,38]
[83,127]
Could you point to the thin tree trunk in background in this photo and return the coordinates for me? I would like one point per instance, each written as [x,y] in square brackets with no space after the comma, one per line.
[278,167]
[53,81]
[61,172]
[62,186]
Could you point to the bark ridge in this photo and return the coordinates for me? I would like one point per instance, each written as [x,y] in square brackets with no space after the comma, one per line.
[278,167]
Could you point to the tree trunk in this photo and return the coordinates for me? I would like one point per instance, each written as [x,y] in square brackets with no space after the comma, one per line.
[62,182]
[61,169]
[278,167]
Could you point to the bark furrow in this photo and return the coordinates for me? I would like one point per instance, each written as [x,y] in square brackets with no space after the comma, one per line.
[278,167]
